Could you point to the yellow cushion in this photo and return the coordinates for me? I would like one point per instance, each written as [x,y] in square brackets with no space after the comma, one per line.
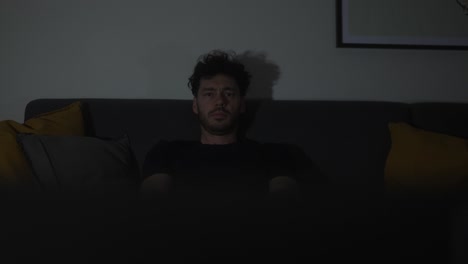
[425,160]
[14,169]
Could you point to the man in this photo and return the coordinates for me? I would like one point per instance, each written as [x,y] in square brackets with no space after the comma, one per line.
[223,165]
[223,186]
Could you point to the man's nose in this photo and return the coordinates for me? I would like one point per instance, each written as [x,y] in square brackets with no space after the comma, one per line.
[221,99]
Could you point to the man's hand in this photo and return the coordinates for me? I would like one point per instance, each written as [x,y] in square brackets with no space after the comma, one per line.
[156,185]
[283,185]
[283,190]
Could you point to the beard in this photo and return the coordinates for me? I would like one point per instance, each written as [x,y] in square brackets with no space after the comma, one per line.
[219,127]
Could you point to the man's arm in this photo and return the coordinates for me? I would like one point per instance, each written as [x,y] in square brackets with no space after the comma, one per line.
[156,184]
[157,181]
[283,185]
[293,172]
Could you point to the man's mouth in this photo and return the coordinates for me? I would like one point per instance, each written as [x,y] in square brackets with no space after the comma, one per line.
[219,114]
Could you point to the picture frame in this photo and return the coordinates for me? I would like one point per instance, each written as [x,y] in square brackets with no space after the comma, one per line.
[359,25]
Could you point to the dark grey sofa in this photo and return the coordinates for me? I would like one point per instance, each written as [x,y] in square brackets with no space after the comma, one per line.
[354,218]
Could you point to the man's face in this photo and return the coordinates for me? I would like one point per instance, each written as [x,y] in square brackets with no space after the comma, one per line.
[218,104]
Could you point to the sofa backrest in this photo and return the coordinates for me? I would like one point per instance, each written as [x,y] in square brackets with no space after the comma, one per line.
[348,140]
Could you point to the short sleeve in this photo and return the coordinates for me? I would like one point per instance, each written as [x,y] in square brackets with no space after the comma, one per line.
[157,160]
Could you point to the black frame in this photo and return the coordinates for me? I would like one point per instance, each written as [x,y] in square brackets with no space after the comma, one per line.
[341,44]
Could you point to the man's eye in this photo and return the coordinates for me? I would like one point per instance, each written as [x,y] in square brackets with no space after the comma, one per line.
[230,94]
[208,94]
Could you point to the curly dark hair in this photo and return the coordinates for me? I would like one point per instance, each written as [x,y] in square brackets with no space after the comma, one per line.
[219,62]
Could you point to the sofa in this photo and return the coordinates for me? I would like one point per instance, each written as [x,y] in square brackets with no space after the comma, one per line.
[353,216]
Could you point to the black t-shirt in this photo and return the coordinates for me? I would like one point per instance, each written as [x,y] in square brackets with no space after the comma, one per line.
[245,166]
[220,188]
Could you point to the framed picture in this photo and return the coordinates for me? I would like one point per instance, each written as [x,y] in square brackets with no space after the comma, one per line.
[410,24]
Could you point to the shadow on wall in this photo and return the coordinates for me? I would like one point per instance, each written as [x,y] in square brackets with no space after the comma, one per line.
[265,75]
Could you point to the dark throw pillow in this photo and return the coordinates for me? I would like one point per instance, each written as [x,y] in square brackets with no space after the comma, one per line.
[77,164]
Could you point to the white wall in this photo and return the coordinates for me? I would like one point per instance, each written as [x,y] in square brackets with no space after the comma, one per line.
[147,49]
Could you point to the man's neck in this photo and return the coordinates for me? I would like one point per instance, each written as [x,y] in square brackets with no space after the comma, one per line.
[218,140]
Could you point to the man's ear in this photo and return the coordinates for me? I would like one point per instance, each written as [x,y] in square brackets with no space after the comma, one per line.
[195,105]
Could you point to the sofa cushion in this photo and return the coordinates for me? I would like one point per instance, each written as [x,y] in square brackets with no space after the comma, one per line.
[425,161]
[14,169]
[81,164]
